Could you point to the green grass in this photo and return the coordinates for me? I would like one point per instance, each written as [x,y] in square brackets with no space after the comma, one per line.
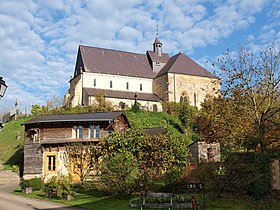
[95,201]
[11,141]
[145,119]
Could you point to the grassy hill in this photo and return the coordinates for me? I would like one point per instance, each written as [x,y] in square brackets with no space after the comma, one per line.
[12,135]
[11,141]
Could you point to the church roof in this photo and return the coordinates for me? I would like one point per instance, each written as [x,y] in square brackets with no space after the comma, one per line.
[106,61]
[99,60]
[182,64]
[122,94]
[155,58]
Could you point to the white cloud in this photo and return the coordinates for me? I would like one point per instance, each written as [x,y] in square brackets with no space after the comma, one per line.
[40,38]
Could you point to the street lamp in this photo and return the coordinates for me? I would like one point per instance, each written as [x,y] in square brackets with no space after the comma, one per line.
[3,87]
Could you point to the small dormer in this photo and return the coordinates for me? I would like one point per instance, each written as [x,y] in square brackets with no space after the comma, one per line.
[157,47]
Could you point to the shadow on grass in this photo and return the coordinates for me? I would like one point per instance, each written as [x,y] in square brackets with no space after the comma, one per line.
[16,160]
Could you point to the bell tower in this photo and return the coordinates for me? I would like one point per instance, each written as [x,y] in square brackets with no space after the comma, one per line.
[157,46]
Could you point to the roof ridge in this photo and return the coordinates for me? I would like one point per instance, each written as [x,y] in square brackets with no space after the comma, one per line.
[101,48]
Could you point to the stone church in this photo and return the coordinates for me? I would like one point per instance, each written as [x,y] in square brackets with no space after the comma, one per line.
[150,78]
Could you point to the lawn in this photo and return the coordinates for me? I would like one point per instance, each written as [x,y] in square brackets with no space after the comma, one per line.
[95,201]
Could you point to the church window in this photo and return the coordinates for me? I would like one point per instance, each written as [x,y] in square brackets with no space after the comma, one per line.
[94,82]
[184,97]
[155,109]
[141,87]
[111,84]
[127,86]
[195,99]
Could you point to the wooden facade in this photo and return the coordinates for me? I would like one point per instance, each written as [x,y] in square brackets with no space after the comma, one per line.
[46,136]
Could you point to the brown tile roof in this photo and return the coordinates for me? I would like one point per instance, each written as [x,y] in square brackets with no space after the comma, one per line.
[162,59]
[182,64]
[122,94]
[99,60]
[80,117]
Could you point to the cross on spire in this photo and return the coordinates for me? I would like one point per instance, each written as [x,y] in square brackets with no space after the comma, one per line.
[157,29]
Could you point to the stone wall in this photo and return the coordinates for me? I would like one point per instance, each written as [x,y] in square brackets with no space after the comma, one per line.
[193,88]
[275,173]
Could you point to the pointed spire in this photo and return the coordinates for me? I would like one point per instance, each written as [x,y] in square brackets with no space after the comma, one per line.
[157,45]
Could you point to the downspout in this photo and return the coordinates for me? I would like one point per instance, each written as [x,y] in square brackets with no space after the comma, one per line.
[174,81]
[82,102]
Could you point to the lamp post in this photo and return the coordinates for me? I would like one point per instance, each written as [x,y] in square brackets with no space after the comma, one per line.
[3,87]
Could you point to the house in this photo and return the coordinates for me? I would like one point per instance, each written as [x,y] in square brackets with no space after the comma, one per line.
[150,78]
[204,152]
[46,137]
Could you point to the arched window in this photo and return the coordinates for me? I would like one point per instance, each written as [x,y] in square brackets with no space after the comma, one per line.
[155,108]
[184,98]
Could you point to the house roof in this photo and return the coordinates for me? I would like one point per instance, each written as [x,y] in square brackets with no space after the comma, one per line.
[100,60]
[122,94]
[80,117]
[182,64]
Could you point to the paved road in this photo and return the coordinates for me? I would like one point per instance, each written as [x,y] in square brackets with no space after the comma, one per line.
[10,201]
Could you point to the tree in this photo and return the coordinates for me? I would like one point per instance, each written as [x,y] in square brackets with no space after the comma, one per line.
[101,104]
[80,159]
[252,80]
[155,155]
[225,121]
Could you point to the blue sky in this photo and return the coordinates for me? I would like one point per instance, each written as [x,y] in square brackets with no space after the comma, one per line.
[39,38]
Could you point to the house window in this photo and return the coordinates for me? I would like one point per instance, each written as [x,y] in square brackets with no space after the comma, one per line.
[34,135]
[94,82]
[157,63]
[75,132]
[141,87]
[97,131]
[80,132]
[127,86]
[94,131]
[111,84]
[51,162]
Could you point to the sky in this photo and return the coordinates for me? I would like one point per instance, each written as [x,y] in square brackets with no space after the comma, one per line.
[39,38]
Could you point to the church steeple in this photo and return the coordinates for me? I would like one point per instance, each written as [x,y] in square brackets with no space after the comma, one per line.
[157,46]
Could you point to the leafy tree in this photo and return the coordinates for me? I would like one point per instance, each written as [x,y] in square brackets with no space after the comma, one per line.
[184,111]
[101,104]
[80,159]
[225,121]
[155,154]
[251,99]
[38,110]
[252,80]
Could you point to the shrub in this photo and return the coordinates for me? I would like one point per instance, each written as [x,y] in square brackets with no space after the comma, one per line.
[35,183]
[119,175]
[249,173]
[59,186]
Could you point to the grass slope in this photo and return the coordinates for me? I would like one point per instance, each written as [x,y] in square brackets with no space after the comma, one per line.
[11,141]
